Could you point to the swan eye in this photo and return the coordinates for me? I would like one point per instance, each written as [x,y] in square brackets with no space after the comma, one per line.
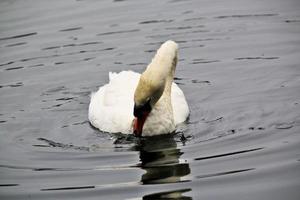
[139,110]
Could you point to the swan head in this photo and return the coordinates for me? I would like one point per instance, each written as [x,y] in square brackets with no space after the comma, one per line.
[146,95]
[152,83]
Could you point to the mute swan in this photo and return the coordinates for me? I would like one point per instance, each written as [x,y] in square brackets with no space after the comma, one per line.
[145,104]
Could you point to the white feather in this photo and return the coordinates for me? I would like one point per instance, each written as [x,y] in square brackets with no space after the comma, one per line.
[111,107]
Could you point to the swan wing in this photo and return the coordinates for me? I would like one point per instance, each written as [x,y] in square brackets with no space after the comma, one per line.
[111,107]
[179,104]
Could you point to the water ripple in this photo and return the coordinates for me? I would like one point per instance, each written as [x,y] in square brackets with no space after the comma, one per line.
[228,154]
[224,173]
[19,36]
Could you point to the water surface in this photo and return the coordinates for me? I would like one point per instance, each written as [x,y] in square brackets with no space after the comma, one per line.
[238,67]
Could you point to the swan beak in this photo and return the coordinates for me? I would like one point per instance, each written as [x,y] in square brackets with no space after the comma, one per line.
[139,123]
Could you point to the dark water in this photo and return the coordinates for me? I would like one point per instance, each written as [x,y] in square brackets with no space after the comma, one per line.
[239,68]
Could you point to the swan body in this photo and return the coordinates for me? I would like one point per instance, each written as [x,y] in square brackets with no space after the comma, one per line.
[113,106]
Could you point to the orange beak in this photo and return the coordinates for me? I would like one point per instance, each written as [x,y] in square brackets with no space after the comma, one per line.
[138,124]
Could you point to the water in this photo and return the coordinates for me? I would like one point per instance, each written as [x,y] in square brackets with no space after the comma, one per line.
[239,69]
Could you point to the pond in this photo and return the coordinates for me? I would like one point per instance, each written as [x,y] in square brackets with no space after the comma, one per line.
[238,66]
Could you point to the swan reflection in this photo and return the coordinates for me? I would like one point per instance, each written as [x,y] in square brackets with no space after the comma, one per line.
[170,195]
[160,158]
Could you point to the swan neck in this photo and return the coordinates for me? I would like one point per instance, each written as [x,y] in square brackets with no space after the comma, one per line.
[170,78]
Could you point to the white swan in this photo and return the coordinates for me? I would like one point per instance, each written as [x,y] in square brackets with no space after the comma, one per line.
[147,104]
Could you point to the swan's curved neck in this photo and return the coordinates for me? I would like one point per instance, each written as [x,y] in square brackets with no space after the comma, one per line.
[155,86]
[156,81]
[161,70]
[170,78]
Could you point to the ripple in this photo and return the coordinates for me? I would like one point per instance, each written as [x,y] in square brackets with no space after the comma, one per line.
[179,28]
[257,58]
[54,90]
[13,68]
[194,19]
[215,120]
[70,188]
[65,98]
[156,21]
[184,27]
[16,44]
[19,36]
[64,146]
[13,85]
[72,45]
[59,55]
[224,173]
[7,63]
[70,29]
[135,64]
[50,48]
[247,15]
[202,82]
[285,125]
[292,20]
[228,154]
[118,32]
[80,123]
[203,61]
[44,168]
[8,185]
[37,65]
